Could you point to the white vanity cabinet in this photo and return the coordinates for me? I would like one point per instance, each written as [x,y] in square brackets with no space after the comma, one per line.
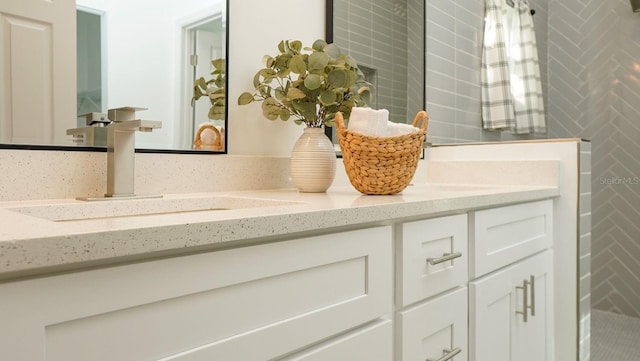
[315,298]
[511,301]
[431,292]
[473,286]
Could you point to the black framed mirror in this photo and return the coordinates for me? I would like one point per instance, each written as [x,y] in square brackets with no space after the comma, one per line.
[142,58]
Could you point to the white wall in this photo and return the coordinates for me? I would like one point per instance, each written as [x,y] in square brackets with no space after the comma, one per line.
[255,29]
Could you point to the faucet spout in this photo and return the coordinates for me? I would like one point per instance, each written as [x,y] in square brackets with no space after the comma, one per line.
[121,155]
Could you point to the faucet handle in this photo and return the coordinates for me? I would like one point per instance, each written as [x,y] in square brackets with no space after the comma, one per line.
[95,118]
[123,114]
[135,125]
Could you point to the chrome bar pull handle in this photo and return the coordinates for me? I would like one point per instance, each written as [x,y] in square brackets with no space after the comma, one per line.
[445,257]
[532,282]
[525,300]
[447,354]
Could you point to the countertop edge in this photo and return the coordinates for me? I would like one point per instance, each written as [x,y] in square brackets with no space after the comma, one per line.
[72,252]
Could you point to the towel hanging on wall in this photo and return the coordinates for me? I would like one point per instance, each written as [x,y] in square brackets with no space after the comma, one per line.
[497,103]
[526,87]
[510,79]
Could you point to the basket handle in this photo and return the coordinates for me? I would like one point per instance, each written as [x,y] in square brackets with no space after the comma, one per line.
[339,120]
[217,145]
[424,116]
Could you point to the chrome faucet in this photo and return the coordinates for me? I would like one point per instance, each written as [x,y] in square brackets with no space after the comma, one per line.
[121,149]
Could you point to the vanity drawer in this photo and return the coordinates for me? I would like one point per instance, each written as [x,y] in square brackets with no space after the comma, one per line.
[501,236]
[431,258]
[252,303]
[428,329]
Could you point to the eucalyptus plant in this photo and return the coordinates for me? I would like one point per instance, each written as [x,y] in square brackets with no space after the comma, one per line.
[308,84]
[214,89]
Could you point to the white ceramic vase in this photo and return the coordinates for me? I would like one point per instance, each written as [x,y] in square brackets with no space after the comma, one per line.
[313,161]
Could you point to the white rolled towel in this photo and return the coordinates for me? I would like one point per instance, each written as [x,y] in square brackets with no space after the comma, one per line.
[367,121]
[395,129]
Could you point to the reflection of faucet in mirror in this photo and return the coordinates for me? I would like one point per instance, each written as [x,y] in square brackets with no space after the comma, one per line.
[94,133]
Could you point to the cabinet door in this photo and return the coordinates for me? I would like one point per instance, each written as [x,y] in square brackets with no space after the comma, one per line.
[498,330]
[533,339]
[435,328]
[253,303]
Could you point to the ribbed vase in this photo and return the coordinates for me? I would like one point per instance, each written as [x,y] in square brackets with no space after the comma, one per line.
[313,161]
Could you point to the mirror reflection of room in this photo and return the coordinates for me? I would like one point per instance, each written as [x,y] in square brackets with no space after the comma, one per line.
[105,55]
[388,53]
[143,55]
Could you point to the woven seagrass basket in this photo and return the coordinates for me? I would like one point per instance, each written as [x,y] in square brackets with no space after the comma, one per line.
[381,165]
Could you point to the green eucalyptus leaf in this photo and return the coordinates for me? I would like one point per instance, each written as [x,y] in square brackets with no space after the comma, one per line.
[216,113]
[318,60]
[202,83]
[216,95]
[268,61]
[365,95]
[256,80]
[352,78]
[279,93]
[282,62]
[270,110]
[295,93]
[338,78]
[297,65]
[332,50]
[295,45]
[351,61]
[219,64]
[283,73]
[267,74]
[328,97]
[306,109]
[319,44]
[245,98]
[313,81]
[284,114]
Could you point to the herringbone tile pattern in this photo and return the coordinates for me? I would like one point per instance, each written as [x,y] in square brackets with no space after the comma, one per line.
[594,93]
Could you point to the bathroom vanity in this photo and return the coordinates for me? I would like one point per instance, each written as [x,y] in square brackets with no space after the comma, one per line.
[437,270]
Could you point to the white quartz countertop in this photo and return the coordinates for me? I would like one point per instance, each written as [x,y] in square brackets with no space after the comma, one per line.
[31,244]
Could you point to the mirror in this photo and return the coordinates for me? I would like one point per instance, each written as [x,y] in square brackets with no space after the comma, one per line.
[387,38]
[149,55]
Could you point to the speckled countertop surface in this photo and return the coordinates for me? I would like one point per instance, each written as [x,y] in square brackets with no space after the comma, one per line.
[68,236]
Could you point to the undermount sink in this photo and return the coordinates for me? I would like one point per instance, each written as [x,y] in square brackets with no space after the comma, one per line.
[79,210]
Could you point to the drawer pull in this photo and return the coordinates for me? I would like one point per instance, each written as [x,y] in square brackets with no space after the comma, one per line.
[525,300]
[447,354]
[533,295]
[445,257]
